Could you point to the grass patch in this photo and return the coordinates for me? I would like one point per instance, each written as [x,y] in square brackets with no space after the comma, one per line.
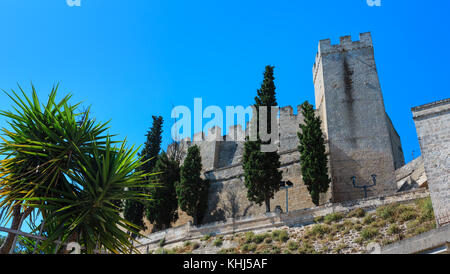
[357,212]
[333,217]
[319,230]
[394,229]
[369,233]
[206,237]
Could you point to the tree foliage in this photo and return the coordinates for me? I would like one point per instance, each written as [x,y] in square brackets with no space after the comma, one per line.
[134,210]
[192,190]
[162,209]
[262,178]
[312,154]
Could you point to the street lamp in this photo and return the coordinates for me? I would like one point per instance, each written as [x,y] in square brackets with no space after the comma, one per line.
[374,180]
[286,185]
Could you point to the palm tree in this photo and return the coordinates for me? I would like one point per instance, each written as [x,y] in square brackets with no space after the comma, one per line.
[61,162]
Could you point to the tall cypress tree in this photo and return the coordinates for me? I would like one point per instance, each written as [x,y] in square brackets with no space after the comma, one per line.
[262,177]
[162,209]
[134,210]
[313,159]
[192,190]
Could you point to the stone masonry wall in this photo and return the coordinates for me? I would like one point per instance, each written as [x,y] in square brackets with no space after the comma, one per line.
[433,130]
[350,102]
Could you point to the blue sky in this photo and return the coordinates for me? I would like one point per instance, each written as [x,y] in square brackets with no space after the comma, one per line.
[130,60]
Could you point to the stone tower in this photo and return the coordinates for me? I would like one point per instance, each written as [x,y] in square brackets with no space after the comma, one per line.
[361,138]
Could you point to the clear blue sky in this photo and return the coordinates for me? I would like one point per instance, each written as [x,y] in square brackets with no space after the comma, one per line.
[133,59]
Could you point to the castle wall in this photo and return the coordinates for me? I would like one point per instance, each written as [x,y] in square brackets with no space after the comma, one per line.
[228,194]
[396,144]
[433,130]
[222,165]
[349,99]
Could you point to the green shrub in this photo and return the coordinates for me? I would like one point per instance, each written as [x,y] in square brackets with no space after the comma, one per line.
[218,242]
[275,250]
[260,238]
[358,227]
[249,237]
[188,243]
[306,248]
[206,237]
[333,217]
[359,240]
[357,212]
[319,230]
[318,219]
[280,235]
[195,245]
[340,247]
[268,240]
[284,236]
[426,209]
[407,215]
[368,219]
[292,245]
[386,211]
[394,229]
[276,234]
[369,233]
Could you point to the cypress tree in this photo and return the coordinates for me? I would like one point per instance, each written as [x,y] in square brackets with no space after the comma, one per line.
[312,154]
[134,210]
[262,177]
[192,190]
[162,209]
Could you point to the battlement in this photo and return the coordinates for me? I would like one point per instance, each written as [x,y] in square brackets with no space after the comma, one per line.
[345,44]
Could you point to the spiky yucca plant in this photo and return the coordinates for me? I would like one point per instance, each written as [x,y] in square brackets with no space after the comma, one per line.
[61,162]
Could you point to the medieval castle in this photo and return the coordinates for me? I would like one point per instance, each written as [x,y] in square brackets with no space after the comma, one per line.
[360,140]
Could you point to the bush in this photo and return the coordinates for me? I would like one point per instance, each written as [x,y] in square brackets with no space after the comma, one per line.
[357,212]
[249,236]
[386,211]
[369,233]
[318,219]
[260,238]
[218,242]
[280,235]
[284,236]
[359,240]
[195,245]
[407,215]
[268,240]
[319,230]
[306,248]
[333,217]
[188,243]
[368,219]
[292,245]
[426,209]
[206,237]
[394,229]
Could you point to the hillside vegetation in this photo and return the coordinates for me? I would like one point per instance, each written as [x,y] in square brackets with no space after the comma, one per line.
[333,233]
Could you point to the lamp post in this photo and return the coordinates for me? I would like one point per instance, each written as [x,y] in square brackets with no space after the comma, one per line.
[286,185]
[374,180]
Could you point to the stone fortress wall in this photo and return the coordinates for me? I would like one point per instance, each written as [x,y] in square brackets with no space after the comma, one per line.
[360,138]
[433,130]
[222,165]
